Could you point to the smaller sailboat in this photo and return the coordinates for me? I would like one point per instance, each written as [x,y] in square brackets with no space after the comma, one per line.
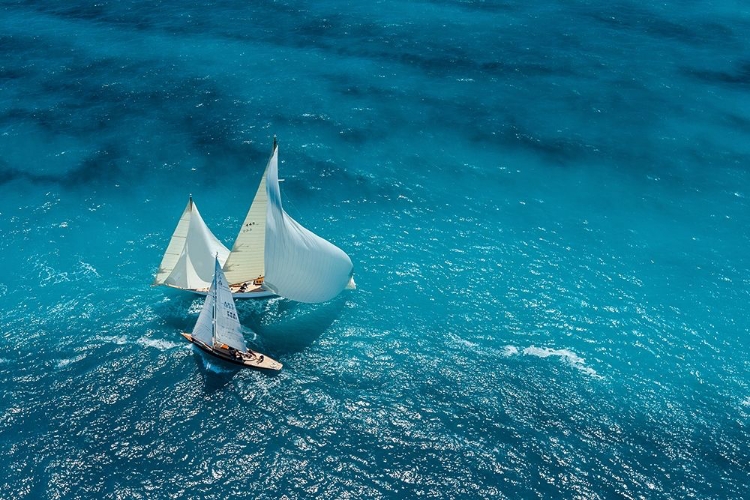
[218,330]
[186,264]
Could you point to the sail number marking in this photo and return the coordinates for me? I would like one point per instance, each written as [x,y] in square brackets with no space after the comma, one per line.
[230,310]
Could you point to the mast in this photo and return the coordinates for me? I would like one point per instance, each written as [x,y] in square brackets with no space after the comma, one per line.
[214,291]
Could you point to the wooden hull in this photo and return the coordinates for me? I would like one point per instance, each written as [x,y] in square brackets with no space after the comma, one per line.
[256,293]
[248,359]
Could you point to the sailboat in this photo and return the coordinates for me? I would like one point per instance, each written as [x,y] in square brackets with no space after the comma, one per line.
[272,255]
[218,331]
[188,261]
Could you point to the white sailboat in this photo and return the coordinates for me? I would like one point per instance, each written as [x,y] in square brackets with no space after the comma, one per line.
[188,261]
[218,331]
[272,255]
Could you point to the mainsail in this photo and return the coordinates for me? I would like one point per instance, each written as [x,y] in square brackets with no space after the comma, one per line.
[246,262]
[187,260]
[299,264]
[218,323]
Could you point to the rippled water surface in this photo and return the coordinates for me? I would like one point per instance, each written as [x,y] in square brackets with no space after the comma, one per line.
[546,204]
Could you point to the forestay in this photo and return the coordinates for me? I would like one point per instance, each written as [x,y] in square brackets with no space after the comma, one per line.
[299,264]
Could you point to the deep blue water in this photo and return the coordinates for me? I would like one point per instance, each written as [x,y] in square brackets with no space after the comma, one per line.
[547,208]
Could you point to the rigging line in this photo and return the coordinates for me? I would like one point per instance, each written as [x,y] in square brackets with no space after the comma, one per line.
[215,297]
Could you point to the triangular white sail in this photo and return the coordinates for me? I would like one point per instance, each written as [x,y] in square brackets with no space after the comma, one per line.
[246,262]
[187,262]
[218,323]
[204,327]
[176,244]
[299,264]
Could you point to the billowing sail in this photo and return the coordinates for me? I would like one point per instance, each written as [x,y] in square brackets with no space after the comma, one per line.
[218,322]
[299,264]
[246,262]
[187,263]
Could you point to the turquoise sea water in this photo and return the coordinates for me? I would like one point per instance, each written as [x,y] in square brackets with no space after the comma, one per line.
[547,208]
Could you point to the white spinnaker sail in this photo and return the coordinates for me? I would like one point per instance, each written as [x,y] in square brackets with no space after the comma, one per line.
[228,330]
[246,262]
[300,265]
[193,268]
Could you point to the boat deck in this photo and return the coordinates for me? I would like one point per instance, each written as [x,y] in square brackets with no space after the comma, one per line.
[248,359]
[246,287]
[246,290]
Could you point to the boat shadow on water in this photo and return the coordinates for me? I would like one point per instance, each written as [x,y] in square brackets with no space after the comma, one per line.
[217,373]
[285,326]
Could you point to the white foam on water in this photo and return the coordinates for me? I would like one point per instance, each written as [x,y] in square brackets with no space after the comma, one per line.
[195,307]
[49,275]
[510,350]
[458,341]
[67,361]
[87,269]
[566,355]
[159,344]
[115,339]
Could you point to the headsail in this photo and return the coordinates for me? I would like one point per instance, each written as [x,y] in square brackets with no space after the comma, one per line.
[187,261]
[246,262]
[299,264]
[218,322]
[204,327]
[176,244]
